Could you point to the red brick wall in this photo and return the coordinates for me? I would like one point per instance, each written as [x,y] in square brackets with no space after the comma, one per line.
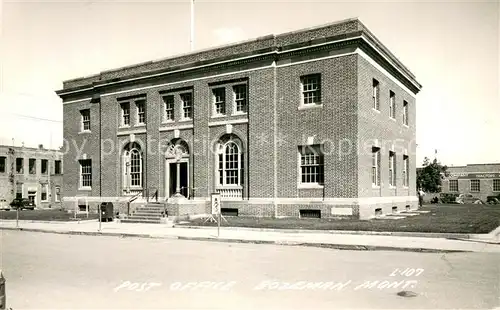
[378,125]
[334,120]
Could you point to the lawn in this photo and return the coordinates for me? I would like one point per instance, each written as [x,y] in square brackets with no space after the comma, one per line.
[44,215]
[441,219]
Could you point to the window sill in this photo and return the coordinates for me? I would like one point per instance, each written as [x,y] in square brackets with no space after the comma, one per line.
[375,110]
[218,116]
[310,186]
[309,106]
[392,187]
[239,113]
[405,187]
[170,121]
[406,126]
[140,125]
[229,187]
[392,118]
[124,127]
[185,120]
[84,132]
[85,188]
[375,186]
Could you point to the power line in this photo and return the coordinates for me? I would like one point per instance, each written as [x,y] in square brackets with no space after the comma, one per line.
[38,118]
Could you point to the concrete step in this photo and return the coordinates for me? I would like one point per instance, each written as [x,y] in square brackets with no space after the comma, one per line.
[148,221]
[150,209]
[156,214]
[145,217]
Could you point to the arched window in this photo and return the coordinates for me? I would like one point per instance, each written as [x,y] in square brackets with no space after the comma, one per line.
[135,168]
[230,164]
[132,167]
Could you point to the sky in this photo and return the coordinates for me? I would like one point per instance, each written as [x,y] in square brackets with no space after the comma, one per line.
[451,47]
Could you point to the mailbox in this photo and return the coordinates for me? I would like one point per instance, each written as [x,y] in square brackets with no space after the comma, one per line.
[106,210]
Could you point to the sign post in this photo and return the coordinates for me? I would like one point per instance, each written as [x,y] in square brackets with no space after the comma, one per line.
[17,217]
[100,215]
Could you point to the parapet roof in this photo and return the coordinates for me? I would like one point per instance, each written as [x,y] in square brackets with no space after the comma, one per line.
[347,28]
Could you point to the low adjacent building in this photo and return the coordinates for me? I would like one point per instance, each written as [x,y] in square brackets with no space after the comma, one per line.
[32,173]
[479,180]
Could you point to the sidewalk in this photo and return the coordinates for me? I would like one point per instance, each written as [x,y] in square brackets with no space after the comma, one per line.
[475,243]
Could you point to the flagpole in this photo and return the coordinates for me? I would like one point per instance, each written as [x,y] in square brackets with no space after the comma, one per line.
[191,41]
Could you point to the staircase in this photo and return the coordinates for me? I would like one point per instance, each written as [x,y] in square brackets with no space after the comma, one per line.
[151,212]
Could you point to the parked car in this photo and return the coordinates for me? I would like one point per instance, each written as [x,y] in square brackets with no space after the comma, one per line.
[4,205]
[493,200]
[468,198]
[448,198]
[22,203]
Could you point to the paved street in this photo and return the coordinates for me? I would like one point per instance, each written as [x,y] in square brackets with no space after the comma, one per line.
[52,271]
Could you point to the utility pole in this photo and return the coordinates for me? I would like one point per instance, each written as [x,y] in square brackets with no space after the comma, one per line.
[191,41]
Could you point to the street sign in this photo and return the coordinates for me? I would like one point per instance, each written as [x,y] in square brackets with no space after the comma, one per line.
[215,198]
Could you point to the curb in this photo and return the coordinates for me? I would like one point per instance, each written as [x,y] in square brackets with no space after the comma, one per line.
[341,232]
[227,240]
[50,222]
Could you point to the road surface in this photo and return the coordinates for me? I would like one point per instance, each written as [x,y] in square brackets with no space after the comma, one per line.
[53,271]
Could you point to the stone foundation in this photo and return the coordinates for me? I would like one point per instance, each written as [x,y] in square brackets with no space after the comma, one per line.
[362,208]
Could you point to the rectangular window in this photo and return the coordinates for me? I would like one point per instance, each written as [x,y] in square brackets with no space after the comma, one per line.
[85,119]
[375,95]
[86,173]
[141,111]
[496,185]
[405,113]
[311,89]
[392,105]
[311,165]
[219,101]
[2,164]
[187,105]
[57,167]
[392,169]
[43,196]
[125,106]
[45,166]
[169,108]
[58,194]
[453,185]
[240,98]
[406,168]
[20,165]
[32,165]
[475,186]
[375,166]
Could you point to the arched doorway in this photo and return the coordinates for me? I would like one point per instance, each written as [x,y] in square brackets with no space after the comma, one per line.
[177,183]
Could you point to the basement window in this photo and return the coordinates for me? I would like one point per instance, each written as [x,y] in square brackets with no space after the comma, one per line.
[313,214]
[229,211]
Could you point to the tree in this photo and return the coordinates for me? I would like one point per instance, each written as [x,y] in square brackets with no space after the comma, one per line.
[430,175]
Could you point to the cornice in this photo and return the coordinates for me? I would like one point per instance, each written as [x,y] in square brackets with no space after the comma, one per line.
[268,54]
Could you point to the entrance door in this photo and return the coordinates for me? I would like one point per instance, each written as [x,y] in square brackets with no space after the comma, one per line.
[184,181]
[32,197]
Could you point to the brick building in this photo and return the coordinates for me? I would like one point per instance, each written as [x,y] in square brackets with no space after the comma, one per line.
[33,173]
[480,180]
[318,119]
